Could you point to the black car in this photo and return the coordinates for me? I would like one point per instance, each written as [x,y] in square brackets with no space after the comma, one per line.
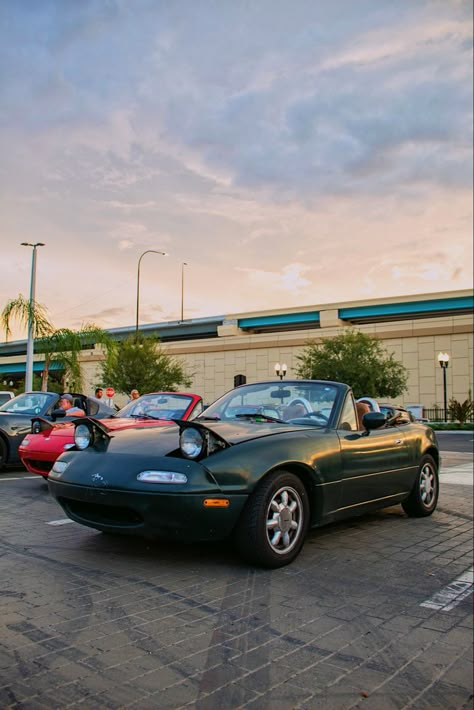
[17,413]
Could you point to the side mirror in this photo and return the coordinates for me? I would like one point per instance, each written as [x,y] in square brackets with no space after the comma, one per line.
[57,414]
[374,420]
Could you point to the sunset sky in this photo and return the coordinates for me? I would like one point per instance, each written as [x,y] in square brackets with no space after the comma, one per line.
[290,152]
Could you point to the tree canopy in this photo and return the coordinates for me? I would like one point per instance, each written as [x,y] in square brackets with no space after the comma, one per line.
[138,362]
[356,359]
[57,345]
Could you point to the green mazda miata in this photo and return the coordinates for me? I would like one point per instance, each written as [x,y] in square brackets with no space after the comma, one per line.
[262,465]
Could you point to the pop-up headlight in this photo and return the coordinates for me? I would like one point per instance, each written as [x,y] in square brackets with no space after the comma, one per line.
[191,442]
[82,436]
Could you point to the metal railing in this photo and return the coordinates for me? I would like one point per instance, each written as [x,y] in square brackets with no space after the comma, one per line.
[436,414]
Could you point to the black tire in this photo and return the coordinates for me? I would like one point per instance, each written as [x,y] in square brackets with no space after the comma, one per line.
[279,504]
[423,498]
[3,454]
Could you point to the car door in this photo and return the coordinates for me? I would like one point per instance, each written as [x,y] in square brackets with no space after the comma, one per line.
[376,465]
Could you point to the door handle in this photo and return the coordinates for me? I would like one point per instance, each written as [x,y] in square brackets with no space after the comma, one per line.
[399,441]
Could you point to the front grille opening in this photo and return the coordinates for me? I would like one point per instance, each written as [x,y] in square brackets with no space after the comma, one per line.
[101,514]
[45,466]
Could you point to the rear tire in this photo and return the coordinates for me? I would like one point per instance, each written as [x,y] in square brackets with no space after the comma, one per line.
[273,525]
[423,498]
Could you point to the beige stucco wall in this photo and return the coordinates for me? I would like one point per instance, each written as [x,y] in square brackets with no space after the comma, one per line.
[212,363]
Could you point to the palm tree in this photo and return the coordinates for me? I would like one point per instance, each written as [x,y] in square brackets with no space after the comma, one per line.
[64,346]
[22,310]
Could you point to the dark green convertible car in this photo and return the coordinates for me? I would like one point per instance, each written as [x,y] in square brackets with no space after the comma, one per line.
[262,465]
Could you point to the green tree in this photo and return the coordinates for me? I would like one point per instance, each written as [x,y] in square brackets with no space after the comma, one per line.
[64,346]
[140,363]
[357,359]
[61,346]
[20,309]
[461,411]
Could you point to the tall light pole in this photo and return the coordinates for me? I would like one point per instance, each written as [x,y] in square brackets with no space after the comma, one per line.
[148,251]
[183,264]
[443,359]
[30,343]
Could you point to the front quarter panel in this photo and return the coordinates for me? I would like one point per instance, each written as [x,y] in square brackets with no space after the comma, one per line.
[314,455]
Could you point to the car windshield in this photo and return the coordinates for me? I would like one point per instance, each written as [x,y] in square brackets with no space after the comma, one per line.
[29,403]
[157,406]
[295,402]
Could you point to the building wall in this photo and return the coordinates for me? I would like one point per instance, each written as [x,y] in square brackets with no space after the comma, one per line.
[213,363]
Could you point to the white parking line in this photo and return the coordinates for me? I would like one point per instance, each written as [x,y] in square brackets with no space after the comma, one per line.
[16,478]
[449,597]
[63,521]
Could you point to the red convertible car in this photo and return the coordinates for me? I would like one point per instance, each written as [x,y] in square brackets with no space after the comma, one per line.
[47,440]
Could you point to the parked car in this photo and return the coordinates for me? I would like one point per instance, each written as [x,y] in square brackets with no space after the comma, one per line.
[5,396]
[16,415]
[262,465]
[47,440]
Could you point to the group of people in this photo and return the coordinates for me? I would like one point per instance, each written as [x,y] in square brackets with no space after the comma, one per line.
[66,402]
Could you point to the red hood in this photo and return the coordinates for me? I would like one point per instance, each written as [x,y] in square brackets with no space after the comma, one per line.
[66,430]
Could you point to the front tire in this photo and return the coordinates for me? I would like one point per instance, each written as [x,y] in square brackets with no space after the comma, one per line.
[3,454]
[275,520]
[423,498]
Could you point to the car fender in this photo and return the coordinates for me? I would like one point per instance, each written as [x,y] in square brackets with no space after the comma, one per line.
[314,457]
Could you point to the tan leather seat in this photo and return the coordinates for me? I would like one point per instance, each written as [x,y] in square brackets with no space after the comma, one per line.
[362,408]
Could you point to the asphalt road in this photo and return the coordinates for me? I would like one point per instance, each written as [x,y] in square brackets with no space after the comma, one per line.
[375,613]
[456,441]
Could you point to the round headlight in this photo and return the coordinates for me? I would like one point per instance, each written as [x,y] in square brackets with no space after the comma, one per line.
[82,436]
[191,442]
[25,442]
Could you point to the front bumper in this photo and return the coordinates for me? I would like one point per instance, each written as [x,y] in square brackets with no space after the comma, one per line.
[176,516]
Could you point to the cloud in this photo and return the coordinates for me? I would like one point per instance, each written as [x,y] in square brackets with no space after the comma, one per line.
[273,146]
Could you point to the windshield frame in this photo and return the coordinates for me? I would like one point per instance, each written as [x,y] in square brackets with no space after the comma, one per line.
[45,404]
[310,392]
[144,406]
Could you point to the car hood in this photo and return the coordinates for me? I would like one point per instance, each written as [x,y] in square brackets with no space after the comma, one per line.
[164,441]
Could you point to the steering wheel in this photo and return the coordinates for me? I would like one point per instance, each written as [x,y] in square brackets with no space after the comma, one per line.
[316,415]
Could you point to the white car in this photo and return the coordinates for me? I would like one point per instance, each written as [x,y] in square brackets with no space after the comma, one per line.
[5,396]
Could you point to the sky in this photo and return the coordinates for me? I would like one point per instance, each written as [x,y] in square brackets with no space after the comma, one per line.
[290,152]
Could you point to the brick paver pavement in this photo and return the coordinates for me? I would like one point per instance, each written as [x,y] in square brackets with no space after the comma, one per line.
[92,621]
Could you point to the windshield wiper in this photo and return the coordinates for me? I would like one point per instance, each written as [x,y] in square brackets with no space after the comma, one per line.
[215,418]
[258,415]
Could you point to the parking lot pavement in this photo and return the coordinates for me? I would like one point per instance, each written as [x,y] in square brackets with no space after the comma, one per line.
[375,613]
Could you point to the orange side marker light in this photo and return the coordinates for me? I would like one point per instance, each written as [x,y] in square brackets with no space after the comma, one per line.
[216,503]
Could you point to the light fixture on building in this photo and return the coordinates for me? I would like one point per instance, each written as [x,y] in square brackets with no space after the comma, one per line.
[280,370]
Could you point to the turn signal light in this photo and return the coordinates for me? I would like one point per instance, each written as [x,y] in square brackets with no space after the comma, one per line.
[216,503]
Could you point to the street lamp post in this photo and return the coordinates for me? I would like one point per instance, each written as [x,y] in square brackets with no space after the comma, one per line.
[443,359]
[148,251]
[280,370]
[30,343]
[182,289]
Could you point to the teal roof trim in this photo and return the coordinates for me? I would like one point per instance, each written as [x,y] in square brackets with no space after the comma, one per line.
[281,319]
[20,367]
[388,309]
